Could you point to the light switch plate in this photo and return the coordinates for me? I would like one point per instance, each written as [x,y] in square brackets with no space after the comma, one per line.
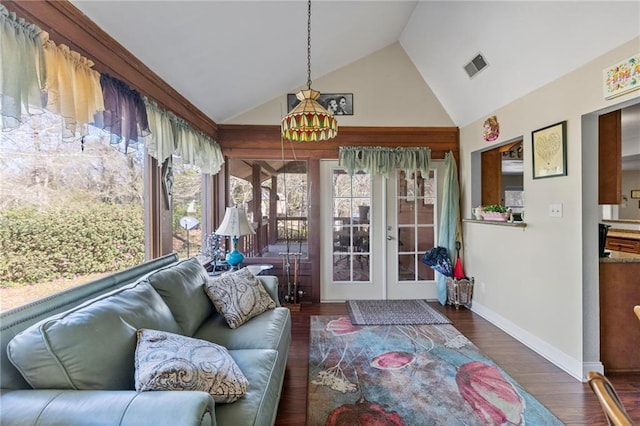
[555,210]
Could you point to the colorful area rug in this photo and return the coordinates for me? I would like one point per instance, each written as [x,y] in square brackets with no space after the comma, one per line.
[393,312]
[409,375]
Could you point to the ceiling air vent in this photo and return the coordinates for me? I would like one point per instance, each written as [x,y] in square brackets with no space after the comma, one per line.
[476,65]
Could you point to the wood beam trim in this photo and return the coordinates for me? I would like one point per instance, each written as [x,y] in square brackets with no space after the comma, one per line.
[66,24]
[260,141]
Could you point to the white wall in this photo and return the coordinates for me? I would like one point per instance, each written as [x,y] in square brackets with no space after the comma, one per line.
[387,91]
[530,282]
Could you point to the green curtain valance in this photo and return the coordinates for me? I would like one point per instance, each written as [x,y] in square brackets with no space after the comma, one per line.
[170,133]
[22,68]
[381,160]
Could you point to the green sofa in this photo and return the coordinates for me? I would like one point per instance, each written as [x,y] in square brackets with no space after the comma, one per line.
[74,352]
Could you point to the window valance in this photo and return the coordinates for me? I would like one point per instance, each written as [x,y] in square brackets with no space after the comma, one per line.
[30,63]
[73,87]
[170,134]
[381,160]
[125,114]
[22,68]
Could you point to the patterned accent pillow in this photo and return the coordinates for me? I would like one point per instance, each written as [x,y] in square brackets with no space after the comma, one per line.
[238,296]
[167,361]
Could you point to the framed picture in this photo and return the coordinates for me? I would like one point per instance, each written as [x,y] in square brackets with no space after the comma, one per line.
[335,103]
[549,148]
[622,77]
[635,193]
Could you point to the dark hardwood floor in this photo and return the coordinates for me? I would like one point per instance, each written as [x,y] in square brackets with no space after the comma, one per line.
[570,400]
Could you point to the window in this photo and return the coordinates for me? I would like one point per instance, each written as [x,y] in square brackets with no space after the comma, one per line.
[187,208]
[72,210]
[279,216]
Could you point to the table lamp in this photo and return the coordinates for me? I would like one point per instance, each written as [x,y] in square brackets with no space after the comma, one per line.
[235,224]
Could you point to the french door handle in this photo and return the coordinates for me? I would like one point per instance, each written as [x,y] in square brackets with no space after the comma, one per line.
[389,237]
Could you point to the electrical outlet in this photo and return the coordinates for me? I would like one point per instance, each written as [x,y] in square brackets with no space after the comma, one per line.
[555,210]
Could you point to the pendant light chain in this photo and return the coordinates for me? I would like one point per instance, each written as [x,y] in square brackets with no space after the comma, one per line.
[309,120]
[309,46]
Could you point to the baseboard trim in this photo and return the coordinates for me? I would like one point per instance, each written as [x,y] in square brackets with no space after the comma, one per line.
[569,364]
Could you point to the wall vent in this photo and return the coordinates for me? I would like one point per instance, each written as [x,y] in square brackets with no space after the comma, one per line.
[476,65]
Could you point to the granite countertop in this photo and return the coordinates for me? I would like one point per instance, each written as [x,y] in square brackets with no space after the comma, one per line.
[620,257]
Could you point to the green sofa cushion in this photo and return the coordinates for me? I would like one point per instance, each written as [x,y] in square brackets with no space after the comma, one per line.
[260,405]
[182,288]
[91,346]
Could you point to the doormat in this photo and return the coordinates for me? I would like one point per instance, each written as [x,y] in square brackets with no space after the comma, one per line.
[393,312]
[409,375]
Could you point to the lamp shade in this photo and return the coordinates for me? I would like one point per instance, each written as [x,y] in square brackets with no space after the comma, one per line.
[235,223]
[309,121]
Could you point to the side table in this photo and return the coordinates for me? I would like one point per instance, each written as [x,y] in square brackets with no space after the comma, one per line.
[258,269]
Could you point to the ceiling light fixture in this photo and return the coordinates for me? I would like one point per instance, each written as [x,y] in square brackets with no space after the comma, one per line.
[309,121]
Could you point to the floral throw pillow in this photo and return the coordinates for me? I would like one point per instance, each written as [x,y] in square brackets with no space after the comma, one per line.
[238,296]
[167,361]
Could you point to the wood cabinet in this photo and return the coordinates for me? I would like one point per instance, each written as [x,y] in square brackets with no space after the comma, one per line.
[627,241]
[610,158]
[619,330]
[623,244]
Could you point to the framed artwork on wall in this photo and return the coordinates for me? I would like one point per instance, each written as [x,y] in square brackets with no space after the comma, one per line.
[335,103]
[621,78]
[549,148]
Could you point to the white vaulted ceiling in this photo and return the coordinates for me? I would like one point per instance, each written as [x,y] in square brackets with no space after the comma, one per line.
[227,57]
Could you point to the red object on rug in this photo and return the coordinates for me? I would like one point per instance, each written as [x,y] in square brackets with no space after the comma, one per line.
[458,273]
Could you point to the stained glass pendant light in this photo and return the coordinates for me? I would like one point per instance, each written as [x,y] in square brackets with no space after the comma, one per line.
[309,121]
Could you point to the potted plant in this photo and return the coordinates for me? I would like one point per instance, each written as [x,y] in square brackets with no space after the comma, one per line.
[496,212]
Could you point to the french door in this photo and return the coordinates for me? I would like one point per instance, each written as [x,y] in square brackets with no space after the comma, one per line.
[374,234]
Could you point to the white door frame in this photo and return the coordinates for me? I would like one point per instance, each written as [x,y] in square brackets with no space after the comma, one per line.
[381,271]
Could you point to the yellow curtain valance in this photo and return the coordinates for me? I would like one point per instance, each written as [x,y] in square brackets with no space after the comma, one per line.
[73,87]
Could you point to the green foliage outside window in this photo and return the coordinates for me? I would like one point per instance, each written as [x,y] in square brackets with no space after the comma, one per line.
[40,245]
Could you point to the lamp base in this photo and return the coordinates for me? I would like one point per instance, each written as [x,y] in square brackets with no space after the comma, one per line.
[234,258]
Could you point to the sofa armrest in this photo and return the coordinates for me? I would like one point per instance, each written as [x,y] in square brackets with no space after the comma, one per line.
[270,283]
[57,407]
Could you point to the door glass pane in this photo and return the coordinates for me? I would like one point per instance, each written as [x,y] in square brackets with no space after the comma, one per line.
[406,239]
[351,214]
[424,272]
[416,229]
[425,211]
[361,186]
[425,238]
[406,267]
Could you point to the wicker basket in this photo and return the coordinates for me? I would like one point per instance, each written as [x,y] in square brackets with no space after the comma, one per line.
[460,292]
